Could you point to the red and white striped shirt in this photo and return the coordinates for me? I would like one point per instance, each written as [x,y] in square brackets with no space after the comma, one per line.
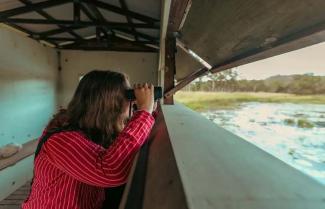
[71,171]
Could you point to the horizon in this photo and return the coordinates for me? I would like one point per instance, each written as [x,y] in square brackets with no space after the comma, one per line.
[302,61]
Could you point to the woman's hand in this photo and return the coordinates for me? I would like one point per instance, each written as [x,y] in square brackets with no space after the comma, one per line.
[144,94]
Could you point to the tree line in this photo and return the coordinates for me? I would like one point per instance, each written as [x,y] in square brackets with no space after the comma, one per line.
[228,81]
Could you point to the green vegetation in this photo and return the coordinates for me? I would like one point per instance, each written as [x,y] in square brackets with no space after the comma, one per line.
[289,122]
[201,101]
[304,123]
[227,81]
[291,151]
[301,123]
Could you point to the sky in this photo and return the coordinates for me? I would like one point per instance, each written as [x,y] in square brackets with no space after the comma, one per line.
[307,60]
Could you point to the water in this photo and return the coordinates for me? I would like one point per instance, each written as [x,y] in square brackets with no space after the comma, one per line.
[274,128]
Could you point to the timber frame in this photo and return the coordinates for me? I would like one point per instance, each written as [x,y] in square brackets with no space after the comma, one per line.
[110,35]
[176,17]
[106,37]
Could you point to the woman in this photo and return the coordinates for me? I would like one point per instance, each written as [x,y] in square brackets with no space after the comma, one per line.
[89,145]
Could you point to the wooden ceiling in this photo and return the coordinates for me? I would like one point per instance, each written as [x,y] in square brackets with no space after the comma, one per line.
[118,25]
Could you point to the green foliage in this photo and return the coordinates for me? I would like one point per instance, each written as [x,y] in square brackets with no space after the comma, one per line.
[289,121]
[304,123]
[227,81]
[301,123]
[291,151]
[221,100]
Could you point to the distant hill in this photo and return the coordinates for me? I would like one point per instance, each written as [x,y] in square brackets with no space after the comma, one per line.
[298,84]
[295,84]
[284,79]
[289,78]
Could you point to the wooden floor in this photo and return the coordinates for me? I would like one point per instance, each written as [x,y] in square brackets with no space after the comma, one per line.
[15,199]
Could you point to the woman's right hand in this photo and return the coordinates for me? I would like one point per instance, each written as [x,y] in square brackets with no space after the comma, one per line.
[144,94]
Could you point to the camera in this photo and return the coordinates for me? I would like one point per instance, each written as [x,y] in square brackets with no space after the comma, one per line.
[157,93]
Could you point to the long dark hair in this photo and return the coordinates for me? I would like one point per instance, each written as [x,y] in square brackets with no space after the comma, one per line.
[97,107]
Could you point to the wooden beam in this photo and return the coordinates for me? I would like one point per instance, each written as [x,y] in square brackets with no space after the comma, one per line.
[173,16]
[95,15]
[186,81]
[32,7]
[178,12]
[76,10]
[47,16]
[124,30]
[59,31]
[114,44]
[170,68]
[139,34]
[128,18]
[111,25]
[165,9]
[120,11]
[27,32]
[27,150]
[59,39]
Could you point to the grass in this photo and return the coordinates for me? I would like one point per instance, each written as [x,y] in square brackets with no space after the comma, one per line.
[289,122]
[201,101]
[304,123]
[301,123]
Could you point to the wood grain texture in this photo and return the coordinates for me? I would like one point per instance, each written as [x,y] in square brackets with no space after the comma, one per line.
[170,68]
[221,170]
[222,32]
[15,199]
[27,150]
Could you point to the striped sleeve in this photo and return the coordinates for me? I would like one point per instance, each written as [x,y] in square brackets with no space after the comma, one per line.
[91,163]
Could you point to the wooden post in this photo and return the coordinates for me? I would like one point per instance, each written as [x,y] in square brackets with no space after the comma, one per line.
[170,68]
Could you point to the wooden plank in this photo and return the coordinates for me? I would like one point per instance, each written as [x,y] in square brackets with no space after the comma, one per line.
[47,16]
[26,186]
[9,206]
[27,150]
[19,192]
[14,200]
[165,9]
[170,68]
[176,14]
[31,8]
[218,31]
[10,202]
[118,10]
[128,18]
[111,25]
[128,184]
[114,44]
[163,187]
[178,11]
[17,197]
[221,170]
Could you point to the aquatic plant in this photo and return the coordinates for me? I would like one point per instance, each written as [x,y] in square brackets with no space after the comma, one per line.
[289,121]
[291,151]
[304,123]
